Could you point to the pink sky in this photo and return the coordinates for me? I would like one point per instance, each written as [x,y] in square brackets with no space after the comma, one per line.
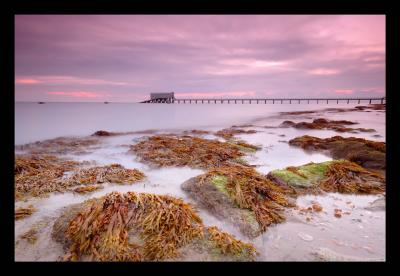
[126,57]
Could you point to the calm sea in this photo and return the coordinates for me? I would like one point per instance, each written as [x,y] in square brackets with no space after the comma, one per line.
[35,122]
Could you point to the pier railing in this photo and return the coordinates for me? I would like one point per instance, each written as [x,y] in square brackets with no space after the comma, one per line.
[267,100]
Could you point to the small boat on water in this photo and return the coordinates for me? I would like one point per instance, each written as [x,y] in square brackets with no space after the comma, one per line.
[106,102]
[41,102]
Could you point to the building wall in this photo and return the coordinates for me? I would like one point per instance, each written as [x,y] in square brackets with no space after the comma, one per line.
[162,95]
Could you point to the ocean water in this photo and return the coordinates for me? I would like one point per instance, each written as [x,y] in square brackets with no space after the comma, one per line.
[359,235]
[35,122]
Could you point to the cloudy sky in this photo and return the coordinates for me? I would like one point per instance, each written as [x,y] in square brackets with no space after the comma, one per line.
[125,57]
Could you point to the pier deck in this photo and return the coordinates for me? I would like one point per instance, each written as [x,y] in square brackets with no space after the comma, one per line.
[268,100]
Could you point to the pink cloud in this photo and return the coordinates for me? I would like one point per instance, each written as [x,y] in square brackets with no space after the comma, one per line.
[27,81]
[215,94]
[378,90]
[231,67]
[288,56]
[65,80]
[77,94]
[344,91]
[324,72]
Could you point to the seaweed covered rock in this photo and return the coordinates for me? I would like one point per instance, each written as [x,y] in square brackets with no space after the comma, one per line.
[321,123]
[367,153]
[61,145]
[377,107]
[39,175]
[87,189]
[371,107]
[302,178]
[36,175]
[241,195]
[142,227]
[105,133]
[348,177]
[114,173]
[297,112]
[228,133]
[332,176]
[189,151]
[195,132]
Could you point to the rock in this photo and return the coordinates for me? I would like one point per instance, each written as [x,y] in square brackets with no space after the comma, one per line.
[212,245]
[301,177]
[322,123]
[220,205]
[297,112]
[287,124]
[305,237]
[377,205]
[328,255]
[61,224]
[242,196]
[229,133]
[194,152]
[316,207]
[366,153]
[338,213]
[102,133]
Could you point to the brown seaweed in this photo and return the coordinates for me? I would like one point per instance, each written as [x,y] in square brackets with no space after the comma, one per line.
[87,189]
[252,191]
[189,151]
[114,173]
[104,229]
[228,133]
[367,153]
[348,177]
[61,145]
[322,123]
[21,213]
[37,175]
[30,236]
[228,244]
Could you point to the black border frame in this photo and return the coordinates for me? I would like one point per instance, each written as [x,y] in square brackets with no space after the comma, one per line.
[198,7]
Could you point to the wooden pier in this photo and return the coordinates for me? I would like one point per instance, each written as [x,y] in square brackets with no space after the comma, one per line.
[267,100]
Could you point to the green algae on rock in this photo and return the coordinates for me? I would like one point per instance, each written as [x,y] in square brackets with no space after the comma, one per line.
[239,194]
[301,177]
[369,154]
[331,176]
[142,227]
[188,151]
